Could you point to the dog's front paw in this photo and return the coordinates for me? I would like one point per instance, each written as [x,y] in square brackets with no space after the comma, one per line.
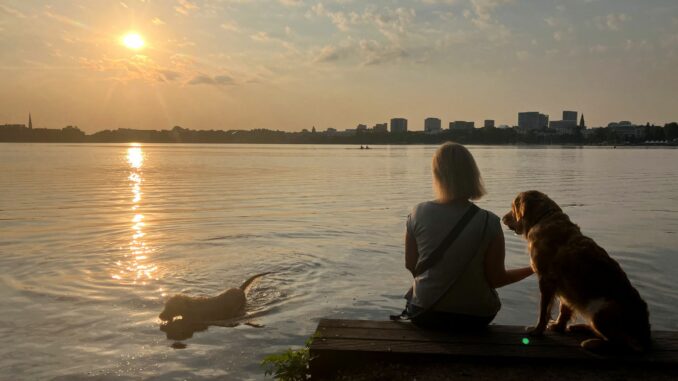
[535,331]
[554,326]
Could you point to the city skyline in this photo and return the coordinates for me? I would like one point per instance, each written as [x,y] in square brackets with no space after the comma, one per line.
[230,65]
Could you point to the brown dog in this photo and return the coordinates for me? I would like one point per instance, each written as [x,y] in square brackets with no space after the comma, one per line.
[200,309]
[581,274]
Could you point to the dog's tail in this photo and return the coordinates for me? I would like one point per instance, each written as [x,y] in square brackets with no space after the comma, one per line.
[244,287]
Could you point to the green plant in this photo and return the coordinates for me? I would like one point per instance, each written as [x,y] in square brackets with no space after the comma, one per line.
[291,365]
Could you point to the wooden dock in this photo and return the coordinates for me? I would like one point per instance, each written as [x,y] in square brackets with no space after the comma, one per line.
[342,344]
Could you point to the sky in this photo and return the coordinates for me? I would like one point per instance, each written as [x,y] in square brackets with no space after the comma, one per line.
[294,64]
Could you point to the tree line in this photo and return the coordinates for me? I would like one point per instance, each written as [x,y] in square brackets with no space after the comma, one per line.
[487,135]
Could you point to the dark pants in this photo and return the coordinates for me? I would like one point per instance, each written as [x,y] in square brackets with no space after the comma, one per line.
[447,321]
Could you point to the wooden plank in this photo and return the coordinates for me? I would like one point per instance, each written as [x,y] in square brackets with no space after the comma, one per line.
[526,352]
[406,325]
[341,342]
[489,337]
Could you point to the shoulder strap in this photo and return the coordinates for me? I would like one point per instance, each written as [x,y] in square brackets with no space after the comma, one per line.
[406,314]
[439,252]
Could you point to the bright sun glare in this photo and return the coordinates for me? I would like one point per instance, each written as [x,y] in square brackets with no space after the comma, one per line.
[133,41]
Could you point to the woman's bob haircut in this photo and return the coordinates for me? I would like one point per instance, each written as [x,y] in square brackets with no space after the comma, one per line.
[455,174]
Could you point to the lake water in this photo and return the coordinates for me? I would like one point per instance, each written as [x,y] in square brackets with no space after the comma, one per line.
[94,237]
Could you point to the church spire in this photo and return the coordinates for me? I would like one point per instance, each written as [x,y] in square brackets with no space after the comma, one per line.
[30,122]
[582,124]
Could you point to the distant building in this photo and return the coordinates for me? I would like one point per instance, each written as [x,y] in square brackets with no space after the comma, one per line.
[30,122]
[347,132]
[627,130]
[532,120]
[563,127]
[462,125]
[582,124]
[570,116]
[380,127]
[567,126]
[489,123]
[398,125]
[432,125]
[504,126]
[331,131]
[361,128]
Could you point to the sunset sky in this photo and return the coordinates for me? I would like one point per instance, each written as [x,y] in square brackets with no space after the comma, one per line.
[293,64]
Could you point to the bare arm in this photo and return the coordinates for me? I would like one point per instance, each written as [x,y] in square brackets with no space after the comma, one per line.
[411,252]
[495,268]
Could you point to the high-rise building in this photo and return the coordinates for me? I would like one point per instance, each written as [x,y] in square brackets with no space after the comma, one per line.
[30,122]
[489,123]
[462,125]
[570,115]
[398,125]
[432,125]
[567,126]
[380,127]
[532,120]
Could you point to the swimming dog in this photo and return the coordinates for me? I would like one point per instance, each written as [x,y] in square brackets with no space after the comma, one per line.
[581,274]
[199,309]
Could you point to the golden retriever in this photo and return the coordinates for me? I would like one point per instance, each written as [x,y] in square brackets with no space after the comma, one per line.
[200,309]
[581,274]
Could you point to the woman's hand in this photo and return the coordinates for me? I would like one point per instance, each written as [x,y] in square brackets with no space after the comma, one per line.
[495,268]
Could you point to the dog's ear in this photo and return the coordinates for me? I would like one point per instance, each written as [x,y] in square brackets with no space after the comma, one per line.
[518,207]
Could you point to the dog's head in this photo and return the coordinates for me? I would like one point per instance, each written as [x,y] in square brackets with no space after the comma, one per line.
[527,209]
[175,306]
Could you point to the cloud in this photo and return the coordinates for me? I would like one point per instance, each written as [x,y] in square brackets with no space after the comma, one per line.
[157,21]
[291,3]
[331,53]
[12,12]
[185,7]
[436,2]
[366,52]
[612,21]
[137,67]
[231,26]
[483,10]
[217,80]
[598,49]
[375,54]
[260,37]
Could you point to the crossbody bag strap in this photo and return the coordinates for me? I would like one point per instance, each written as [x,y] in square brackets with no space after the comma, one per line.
[439,252]
[405,315]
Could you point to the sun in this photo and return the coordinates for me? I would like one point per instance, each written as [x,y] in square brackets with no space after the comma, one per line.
[133,41]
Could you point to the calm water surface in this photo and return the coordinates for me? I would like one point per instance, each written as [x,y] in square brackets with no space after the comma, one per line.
[94,237]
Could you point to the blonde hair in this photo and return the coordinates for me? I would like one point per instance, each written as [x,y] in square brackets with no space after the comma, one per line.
[455,174]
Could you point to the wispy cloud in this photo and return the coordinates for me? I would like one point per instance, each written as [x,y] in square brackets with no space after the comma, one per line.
[185,7]
[612,21]
[12,12]
[217,80]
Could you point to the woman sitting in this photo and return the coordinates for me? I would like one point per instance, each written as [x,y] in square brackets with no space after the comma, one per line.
[455,289]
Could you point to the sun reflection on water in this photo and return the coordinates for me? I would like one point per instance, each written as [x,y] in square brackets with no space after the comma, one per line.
[136,268]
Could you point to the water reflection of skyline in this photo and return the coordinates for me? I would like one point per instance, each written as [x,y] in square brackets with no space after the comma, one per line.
[136,267]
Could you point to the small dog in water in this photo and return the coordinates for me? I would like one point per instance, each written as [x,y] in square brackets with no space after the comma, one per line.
[574,268]
[200,309]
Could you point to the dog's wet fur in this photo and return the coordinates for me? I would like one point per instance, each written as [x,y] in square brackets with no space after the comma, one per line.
[202,309]
[574,269]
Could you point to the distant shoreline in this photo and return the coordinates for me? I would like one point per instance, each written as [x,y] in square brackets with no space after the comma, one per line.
[645,136]
[372,146]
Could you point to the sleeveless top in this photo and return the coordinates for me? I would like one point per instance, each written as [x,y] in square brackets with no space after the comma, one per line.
[457,282]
